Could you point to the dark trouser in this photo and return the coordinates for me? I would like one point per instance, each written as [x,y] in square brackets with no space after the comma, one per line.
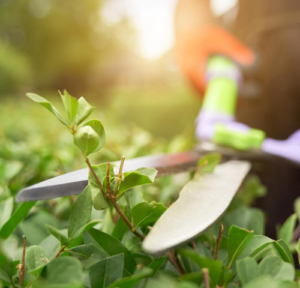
[277,109]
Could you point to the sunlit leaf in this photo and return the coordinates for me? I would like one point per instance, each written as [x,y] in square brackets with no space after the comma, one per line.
[97,126]
[71,105]
[238,239]
[138,177]
[6,208]
[107,271]
[21,212]
[87,140]
[81,213]
[84,110]
[145,213]
[208,162]
[48,106]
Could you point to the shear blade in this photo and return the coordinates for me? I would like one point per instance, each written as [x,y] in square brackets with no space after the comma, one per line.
[201,203]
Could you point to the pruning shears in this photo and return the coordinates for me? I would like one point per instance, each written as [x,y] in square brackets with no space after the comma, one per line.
[202,203]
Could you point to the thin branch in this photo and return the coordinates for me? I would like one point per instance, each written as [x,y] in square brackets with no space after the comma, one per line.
[119,176]
[206,277]
[219,242]
[123,216]
[61,250]
[87,161]
[194,246]
[172,257]
[22,265]
[107,178]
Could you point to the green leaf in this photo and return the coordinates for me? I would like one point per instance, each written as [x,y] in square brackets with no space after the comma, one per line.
[38,99]
[107,271]
[6,208]
[84,110]
[4,276]
[247,269]
[134,244]
[11,169]
[146,213]
[88,254]
[195,277]
[248,218]
[276,268]
[138,177]
[9,227]
[263,281]
[120,229]
[87,140]
[130,281]
[97,126]
[214,266]
[156,264]
[51,246]
[71,105]
[35,260]
[81,213]
[208,162]
[284,251]
[297,207]
[287,229]
[256,245]
[238,239]
[58,235]
[113,247]
[64,270]
[100,202]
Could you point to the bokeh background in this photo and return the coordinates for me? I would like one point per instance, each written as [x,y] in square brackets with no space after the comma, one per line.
[117,54]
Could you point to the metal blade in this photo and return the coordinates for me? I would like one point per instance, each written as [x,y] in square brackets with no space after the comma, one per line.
[74,182]
[200,205]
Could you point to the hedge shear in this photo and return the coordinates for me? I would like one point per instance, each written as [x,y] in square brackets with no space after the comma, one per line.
[204,202]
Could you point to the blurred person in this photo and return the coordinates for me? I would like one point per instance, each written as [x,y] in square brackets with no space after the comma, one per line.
[271,28]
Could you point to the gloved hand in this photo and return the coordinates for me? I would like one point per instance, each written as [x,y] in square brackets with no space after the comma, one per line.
[224,129]
[195,47]
[289,148]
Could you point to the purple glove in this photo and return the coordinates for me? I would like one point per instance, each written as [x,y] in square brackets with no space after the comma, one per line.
[206,120]
[289,148]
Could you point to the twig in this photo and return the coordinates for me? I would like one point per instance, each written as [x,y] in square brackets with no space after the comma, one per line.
[112,198]
[172,257]
[107,178]
[119,176]
[206,277]
[194,245]
[123,216]
[87,161]
[22,265]
[62,249]
[219,241]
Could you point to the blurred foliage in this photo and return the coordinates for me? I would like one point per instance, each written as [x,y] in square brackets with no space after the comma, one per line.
[59,44]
